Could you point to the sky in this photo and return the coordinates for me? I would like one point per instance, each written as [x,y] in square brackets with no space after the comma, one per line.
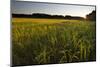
[50,8]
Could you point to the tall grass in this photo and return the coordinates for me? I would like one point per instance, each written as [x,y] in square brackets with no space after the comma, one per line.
[62,42]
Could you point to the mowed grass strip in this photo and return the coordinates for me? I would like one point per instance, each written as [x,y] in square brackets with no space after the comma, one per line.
[41,20]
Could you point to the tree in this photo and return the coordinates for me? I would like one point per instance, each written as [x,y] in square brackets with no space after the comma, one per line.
[91,16]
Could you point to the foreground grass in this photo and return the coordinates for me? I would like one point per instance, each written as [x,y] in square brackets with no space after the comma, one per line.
[61,41]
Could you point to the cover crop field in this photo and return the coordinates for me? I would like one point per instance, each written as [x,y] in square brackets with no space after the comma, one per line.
[47,41]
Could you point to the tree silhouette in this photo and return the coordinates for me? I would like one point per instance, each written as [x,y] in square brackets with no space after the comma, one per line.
[42,15]
[91,16]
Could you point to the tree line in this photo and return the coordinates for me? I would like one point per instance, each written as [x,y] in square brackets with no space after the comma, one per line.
[90,16]
[42,15]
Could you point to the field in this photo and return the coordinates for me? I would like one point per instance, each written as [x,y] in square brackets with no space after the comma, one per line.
[50,41]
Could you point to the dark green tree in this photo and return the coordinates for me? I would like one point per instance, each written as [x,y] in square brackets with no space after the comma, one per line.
[91,16]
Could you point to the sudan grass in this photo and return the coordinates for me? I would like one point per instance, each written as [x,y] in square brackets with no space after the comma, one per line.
[64,42]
